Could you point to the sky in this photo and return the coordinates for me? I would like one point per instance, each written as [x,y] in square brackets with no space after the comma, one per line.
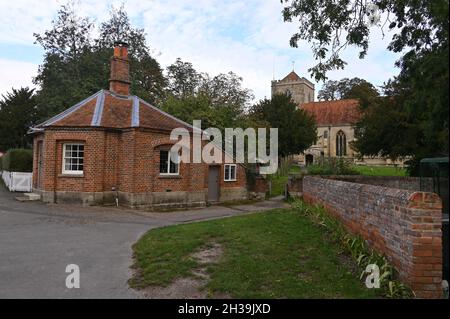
[247,37]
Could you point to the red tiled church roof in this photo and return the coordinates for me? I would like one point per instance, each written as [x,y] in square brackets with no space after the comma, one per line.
[334,112]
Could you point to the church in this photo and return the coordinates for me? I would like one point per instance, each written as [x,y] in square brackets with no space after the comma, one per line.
[335,122]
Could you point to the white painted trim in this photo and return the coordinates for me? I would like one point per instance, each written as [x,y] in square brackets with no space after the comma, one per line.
[63,164]
[235,173]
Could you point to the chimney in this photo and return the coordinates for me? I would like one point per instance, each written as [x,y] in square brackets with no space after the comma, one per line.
[119,81]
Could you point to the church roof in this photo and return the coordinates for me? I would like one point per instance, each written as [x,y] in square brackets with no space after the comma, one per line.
[105,109]
[334,112]
[291,77]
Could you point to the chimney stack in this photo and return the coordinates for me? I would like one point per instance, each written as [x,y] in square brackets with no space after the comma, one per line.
[119,81]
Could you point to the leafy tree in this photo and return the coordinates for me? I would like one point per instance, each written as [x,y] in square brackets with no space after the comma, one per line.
[219,101]
[18,111]
[413,119]
[147,80]
[331,26]
[354,88]
[296,129]
[183,79]
[76,66]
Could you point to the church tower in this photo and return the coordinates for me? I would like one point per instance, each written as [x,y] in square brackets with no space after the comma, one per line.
[300,89]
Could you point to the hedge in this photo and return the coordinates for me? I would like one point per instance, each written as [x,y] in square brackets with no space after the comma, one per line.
[17,160]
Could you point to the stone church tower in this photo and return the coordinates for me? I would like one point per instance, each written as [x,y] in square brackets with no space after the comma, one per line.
[301,90]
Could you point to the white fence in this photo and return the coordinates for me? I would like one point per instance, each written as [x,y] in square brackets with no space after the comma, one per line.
[18,182]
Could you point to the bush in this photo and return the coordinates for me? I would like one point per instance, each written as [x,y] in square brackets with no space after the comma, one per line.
[18,160]
[332,166]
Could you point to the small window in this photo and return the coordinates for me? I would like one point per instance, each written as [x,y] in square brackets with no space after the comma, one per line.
[230,172]
[325,134]
[73,159]
[167,165]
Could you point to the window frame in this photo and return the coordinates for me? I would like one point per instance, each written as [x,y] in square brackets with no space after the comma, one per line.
[228,178]
[341,144]
[177,165]
[64,158]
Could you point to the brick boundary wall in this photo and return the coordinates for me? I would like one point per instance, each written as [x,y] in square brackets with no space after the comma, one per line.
[403,225]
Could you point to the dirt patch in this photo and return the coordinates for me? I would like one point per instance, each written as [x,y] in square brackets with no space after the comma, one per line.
[192,287]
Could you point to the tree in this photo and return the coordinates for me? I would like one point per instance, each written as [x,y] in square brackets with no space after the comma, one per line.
[76,66]
[296,129]
[417,99]
[219,101]
[147,80]
[412,119]
[18,111]
[331,26]
[183,79]
[354,88]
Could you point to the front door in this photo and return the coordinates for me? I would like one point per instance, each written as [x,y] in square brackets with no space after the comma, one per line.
[213,183]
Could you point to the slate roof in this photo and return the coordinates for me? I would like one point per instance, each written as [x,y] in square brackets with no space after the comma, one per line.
[106,109]
[334,112]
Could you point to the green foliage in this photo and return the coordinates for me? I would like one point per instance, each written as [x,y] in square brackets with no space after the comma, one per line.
[219,101]
[76,65]
[332,166]
[18,112]
[331,26]
[17,160]
[357,248]
[354,88]
[412,119]
[297,129]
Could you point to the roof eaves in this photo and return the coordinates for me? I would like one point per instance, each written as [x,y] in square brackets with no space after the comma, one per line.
[70,110]
[194,129]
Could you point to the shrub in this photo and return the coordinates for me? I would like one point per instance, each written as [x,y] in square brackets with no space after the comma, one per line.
[18,160]
[332,166]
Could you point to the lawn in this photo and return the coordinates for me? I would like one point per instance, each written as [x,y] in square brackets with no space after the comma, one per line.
[380,170]
[275,254]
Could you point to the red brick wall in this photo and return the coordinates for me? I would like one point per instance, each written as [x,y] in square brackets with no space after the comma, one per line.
[403,225]
[127,160]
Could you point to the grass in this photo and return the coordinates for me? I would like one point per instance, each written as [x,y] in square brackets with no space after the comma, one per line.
[275,254]
[380,170]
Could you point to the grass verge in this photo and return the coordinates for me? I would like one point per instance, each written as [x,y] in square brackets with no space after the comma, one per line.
[275,254]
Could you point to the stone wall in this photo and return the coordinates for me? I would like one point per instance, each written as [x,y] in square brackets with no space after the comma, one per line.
[404,225]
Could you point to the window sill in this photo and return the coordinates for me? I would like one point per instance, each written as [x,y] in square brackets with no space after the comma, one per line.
[230,180]
[71,175]
[170,176]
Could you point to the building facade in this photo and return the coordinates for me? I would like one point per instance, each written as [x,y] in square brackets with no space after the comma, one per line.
[335,123]
[113,148]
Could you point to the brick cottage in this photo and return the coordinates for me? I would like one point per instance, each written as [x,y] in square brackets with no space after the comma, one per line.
[115,146]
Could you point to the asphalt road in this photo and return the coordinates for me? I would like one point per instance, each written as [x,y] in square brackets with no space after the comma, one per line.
[38,241]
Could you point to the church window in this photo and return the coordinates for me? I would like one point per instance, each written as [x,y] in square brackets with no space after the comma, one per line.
[341,144]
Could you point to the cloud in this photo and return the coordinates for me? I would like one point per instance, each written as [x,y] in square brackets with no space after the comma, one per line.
[246,37]
[16,74]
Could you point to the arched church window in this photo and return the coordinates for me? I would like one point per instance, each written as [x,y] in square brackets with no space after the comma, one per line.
[341,144]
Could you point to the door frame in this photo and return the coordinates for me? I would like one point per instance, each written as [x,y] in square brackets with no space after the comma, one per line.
[219,169]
